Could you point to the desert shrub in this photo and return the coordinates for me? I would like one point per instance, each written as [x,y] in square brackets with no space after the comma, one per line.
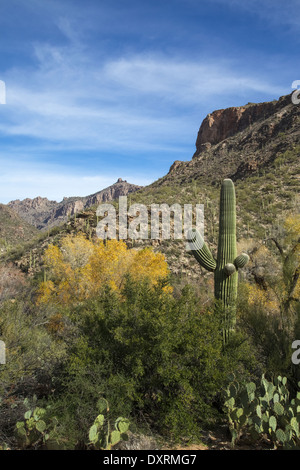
[33,359]
[153,357]
[271,342]
[269,307]
[12,282]
[31,352]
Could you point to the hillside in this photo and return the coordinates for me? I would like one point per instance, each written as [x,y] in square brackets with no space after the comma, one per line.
[14,230]
[239,142]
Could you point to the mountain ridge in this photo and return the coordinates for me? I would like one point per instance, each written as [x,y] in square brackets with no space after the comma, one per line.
[44,213]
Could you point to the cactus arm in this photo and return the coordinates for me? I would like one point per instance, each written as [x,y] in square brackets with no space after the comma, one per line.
[241,260]
[229,269]
[200,250]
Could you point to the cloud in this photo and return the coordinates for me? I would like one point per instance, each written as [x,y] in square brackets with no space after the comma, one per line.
[69,99]
[138,102]
[184,82]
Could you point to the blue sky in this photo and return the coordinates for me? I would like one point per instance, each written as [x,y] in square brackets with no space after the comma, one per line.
[98,89]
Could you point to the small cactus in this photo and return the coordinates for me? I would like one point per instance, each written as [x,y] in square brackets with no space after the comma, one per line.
[36,428]
[101,436]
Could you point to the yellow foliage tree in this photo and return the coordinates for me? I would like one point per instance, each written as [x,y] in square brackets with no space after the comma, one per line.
[79,268]
[259,297]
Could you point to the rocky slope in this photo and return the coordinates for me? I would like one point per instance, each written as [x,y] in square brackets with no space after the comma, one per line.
[43,213]
[13,229]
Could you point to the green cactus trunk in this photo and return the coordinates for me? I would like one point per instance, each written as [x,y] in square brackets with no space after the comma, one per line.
[226,266]
[226,275]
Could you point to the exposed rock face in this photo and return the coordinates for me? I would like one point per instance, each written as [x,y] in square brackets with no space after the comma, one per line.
[43,213]
[120,188]
[239,141]
[175,166]
[224,123]
[33,210]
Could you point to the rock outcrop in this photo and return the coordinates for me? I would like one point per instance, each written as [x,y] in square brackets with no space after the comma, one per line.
[33,211]
[224,123]
[238,142]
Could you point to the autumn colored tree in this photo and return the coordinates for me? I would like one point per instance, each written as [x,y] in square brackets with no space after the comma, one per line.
[78,269]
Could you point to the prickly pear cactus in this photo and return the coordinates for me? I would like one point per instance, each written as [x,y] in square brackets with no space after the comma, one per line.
[226,266]
[265,410]
[101,434]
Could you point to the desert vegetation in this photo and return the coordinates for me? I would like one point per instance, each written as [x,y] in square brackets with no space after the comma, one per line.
[101,343]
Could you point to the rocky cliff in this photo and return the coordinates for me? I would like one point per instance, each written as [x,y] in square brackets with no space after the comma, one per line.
[239,141]
[224,123]
[43,213]
[33,211]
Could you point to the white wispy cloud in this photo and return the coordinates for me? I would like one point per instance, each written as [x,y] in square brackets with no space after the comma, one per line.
[136,101]
[182,81]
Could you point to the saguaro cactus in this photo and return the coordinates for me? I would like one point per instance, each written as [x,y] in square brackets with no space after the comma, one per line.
[226,266]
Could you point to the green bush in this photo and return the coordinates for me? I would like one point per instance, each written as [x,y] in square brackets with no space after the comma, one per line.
[150,355]
[32,353]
